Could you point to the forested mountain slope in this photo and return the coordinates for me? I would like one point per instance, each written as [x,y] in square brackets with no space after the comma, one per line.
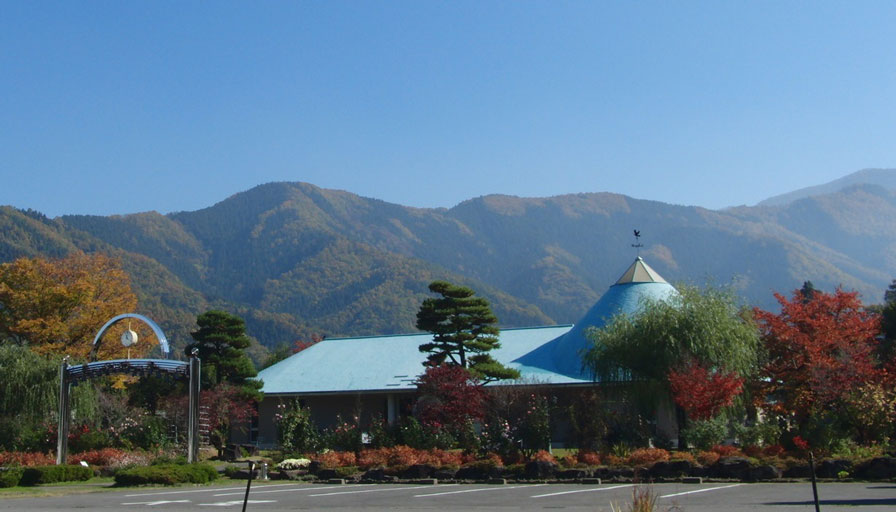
[297,260]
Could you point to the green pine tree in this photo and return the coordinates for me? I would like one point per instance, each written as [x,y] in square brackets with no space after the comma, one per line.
[464,332]
[221,342]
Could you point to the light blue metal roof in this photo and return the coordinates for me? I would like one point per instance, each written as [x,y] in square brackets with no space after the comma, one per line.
[382,363]
[548,355]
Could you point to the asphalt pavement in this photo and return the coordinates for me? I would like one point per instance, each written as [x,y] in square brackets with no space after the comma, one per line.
[278,496]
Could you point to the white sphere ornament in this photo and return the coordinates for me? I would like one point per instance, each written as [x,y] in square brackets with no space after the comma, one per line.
[128,338]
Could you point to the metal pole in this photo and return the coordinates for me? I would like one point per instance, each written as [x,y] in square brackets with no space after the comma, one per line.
[248,484]
[814,486]
[193,418]
[62,426]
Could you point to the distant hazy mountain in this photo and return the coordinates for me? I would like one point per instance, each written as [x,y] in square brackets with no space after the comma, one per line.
[885,178]
[296,260]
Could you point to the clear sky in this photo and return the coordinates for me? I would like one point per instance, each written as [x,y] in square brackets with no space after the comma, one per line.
[127,106]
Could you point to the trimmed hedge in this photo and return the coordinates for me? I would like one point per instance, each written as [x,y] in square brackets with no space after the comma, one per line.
[10,477]
[54,474]
[167,474]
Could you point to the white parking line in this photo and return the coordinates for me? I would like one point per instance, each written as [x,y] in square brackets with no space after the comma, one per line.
[582,490]
[235,502]
[154,503]
[699,490]
[492,488]
[197,490]
[306,488]
[377,490]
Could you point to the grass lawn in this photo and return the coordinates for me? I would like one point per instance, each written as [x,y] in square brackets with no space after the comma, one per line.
[95,484]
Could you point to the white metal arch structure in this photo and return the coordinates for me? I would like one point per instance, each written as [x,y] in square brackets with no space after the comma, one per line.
[163,341]
[71,375]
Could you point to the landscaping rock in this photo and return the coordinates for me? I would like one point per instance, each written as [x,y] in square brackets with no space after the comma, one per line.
[573,474]
[615,474]
[831,468]
[764,472]
[445,474]
[479,472]
[878,468]
[540,469]
[291,474]
[798,471]
[419,471]
[731,467]
[328,474]
[378,475]
[699,472]
[671,469]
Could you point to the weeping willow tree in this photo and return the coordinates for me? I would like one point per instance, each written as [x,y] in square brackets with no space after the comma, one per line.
[708,326]
[29,399]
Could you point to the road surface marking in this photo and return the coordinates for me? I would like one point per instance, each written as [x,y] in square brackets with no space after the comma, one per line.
[699,490]
[492,488]
[306,488]
[198,490]
[377,490]
[154,503]
[582,490]
[235,502]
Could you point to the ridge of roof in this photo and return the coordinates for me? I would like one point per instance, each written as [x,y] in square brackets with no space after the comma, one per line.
[423,333]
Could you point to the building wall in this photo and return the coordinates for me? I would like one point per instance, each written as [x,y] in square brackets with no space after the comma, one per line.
[325,409]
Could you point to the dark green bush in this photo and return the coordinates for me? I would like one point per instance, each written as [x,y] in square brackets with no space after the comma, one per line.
[89,441]
[167,474]
[346,471]
[169,459]
[52,474]
[10,477]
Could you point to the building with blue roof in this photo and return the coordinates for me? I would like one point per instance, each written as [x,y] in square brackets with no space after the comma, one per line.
[377,374]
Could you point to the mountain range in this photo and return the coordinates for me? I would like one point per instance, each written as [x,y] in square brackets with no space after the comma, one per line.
[296,260]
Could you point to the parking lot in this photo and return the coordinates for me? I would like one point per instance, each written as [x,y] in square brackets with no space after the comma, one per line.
[272,497]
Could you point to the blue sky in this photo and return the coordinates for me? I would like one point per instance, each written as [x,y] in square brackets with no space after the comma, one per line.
[120,107]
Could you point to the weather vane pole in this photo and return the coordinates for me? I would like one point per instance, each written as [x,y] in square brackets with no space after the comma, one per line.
[637,245]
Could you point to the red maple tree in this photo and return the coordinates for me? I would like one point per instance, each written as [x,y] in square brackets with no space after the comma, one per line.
[819,349]
[702,392]
[449,396]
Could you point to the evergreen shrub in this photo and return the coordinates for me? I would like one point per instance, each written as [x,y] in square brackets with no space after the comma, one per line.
[167,474]
[10,477]
[54,474]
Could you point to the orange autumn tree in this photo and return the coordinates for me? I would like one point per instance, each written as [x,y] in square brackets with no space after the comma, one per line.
[56,306]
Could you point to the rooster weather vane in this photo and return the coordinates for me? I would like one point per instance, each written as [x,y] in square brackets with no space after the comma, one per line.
[637,245]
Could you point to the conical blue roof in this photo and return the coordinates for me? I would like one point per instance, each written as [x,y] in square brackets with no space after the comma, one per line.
[392,363]
[564,354]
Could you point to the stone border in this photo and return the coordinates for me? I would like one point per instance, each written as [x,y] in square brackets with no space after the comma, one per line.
[727,469]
